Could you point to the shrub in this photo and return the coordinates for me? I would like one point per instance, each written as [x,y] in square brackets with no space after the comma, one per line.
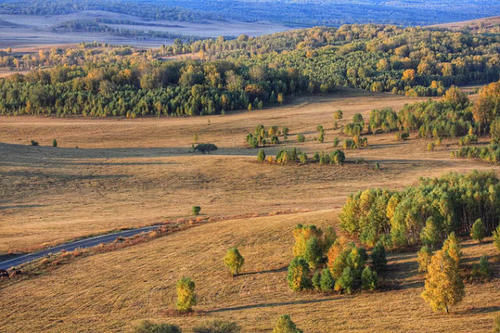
[443,285]
[496,238]
[149,327]
[234,261]
[186,298]
[217,326]
[298,274]
[196,210]
[379,259]
[314,253]
[368,279]
[327,283]
[285,325]
[302,158]
[301,138]
[316,281]
[261,155]
[34,143]
[54,143]
[205,148]
[424,258]
[478,231]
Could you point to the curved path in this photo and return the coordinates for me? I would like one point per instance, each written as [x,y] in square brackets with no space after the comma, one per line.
[82,243]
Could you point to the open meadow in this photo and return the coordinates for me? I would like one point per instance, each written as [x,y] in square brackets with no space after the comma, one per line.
[131,173]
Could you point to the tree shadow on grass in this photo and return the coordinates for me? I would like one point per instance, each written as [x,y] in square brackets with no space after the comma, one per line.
[276,270]
[486,309]
[268,305]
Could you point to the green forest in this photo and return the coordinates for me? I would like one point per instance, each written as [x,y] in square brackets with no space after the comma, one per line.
[245,73]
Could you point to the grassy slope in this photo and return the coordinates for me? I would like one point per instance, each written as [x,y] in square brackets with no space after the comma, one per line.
[130,173]
[114,291]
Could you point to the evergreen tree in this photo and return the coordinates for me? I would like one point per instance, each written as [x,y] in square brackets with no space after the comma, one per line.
[478,231]
[285,325]
[186,297]
[327,282]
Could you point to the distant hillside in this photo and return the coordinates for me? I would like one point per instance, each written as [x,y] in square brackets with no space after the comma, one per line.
[488,24]
[293,13]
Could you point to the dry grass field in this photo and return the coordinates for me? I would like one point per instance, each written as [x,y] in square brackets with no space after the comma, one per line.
[130,173]
[113,292]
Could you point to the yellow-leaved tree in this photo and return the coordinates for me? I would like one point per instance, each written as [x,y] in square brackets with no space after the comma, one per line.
[443,285]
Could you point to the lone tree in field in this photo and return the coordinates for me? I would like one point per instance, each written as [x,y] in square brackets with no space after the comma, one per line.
[186,298]
[196,210]
[443,285]
[285,325]
[234,261]
[478,231]
[54,143]
[298,274]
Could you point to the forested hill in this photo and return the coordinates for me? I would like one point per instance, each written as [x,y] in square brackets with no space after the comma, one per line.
[246,72]
[293,13]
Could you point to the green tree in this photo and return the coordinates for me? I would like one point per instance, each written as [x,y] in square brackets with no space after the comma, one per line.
[496,238]
[346,281]
[234,261]
[285,325]
[261,155]
[54,143]
[478,230]
[378,256]
[301,138]
[430,234]
[316,281]
[314,253]
[443,285]
[186,298]
[298,274]
[368,279]
[327,283]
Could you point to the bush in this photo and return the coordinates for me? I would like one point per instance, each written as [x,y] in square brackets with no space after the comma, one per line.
[261,155]
[379,259]
[316,281]
[149,327]
[54,143]
[327,283]
[205,148]
[196,210]
[34,143]
[234,261]
[298,274]
[186,298]
[217,326]
[285,325]
[478,231]
[301,138]
[368,279]
[424,258]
